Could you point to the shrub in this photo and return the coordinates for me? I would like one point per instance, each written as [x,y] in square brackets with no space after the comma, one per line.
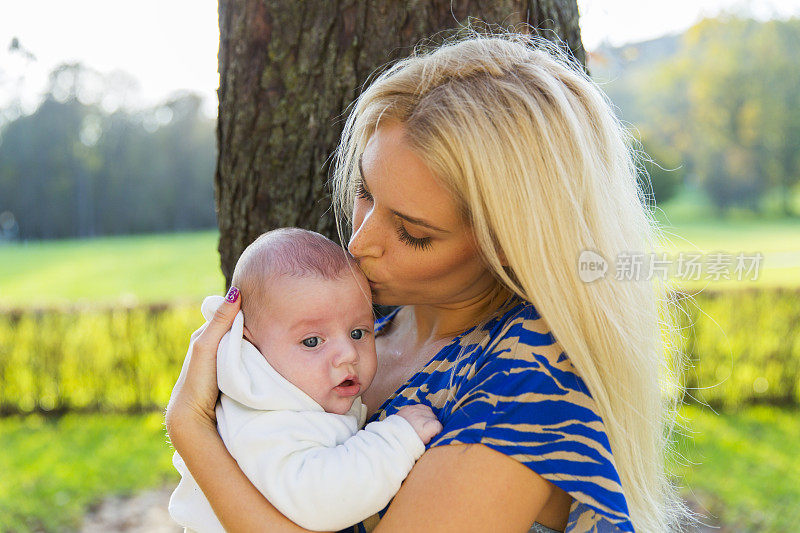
[122,359]
[742,347]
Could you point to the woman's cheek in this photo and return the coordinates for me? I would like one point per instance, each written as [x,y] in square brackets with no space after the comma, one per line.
[439,262]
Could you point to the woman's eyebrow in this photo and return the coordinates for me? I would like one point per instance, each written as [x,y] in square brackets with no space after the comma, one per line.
[416,221]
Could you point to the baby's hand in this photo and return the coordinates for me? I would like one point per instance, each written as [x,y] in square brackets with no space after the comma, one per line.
[422,420]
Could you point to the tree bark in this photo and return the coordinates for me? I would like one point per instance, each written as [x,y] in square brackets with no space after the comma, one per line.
[288,72]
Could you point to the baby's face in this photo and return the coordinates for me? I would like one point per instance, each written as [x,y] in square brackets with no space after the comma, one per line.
[318,334]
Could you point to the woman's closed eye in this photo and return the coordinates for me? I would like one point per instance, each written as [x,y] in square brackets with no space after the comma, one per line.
[419,243]
[362,192]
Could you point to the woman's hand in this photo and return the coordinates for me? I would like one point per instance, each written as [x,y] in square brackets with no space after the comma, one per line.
[194,397]
[191,424]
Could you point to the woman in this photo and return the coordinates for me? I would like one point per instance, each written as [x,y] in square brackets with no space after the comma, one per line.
[474,176]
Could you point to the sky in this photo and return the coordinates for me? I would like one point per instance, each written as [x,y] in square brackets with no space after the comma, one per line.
[171,45]
[623,21]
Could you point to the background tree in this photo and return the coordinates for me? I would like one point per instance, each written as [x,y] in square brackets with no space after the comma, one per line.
[664,170]
[73,169]
[288,71]
[725,96]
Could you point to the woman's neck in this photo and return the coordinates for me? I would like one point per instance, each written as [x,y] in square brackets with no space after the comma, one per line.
[432,323]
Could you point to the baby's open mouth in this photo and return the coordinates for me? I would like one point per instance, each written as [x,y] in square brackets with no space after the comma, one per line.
[349,386]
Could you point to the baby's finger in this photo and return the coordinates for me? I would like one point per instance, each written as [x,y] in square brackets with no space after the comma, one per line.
[432,427]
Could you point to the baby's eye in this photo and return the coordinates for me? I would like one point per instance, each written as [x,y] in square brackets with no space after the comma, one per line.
[357,334]
[311,342]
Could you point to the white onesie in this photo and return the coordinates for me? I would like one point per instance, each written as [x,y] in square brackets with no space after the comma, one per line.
[315,467]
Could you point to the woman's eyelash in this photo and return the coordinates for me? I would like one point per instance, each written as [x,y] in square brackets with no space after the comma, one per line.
[362,191]
[420,244]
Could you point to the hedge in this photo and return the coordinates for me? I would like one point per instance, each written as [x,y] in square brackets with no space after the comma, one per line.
[741,346]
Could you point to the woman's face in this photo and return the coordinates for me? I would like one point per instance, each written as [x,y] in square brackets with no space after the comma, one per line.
[408,236]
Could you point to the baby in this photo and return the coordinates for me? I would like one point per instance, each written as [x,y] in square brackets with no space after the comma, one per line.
[290,373]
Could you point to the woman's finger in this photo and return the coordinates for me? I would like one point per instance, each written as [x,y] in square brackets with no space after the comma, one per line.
[197,387]
[194,396]
[221,321]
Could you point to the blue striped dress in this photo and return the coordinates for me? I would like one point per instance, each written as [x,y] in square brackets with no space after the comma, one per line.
[508,385]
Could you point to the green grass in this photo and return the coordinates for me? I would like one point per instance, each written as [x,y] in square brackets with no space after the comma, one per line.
[692,226]
[54,469]
[113,270]
[777,240]
[185,266]
[743,467]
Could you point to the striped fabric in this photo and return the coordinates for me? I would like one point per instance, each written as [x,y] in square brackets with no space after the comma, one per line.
[508,385]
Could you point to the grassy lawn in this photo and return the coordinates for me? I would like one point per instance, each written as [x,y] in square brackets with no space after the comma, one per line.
[54,469]
[185,266]
[743,468]
[778,241]
[131,269]
[691,226]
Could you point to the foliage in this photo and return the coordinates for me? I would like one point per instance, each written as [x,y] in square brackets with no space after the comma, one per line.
[742,467]
[726,96]
[73,169]
[744,346]
[54,469]
[663,167]
[107,360]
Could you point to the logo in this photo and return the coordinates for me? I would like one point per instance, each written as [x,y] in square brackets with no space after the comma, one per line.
[591,266]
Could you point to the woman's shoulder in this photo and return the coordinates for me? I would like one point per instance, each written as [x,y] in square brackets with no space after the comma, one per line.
[525,399]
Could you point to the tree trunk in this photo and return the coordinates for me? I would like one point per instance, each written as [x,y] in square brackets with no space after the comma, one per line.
[288,72]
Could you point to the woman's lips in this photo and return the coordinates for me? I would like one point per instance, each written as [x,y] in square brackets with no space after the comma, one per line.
[367,275]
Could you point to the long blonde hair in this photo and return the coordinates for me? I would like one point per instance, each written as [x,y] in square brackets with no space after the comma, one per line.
[543,170]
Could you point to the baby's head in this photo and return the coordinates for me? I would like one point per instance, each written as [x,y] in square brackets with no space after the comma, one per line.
[307,308]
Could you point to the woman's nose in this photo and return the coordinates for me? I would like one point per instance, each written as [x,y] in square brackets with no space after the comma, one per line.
[365,240]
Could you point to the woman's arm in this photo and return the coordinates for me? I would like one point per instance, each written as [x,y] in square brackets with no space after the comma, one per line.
[191,425]
[467,487]
[451,488]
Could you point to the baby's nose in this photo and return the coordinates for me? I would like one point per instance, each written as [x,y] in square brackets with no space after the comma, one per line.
[347,354]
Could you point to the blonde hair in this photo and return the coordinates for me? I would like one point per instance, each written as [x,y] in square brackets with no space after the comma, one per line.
[542,170]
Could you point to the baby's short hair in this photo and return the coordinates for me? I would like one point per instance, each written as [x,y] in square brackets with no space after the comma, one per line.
[285,252]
